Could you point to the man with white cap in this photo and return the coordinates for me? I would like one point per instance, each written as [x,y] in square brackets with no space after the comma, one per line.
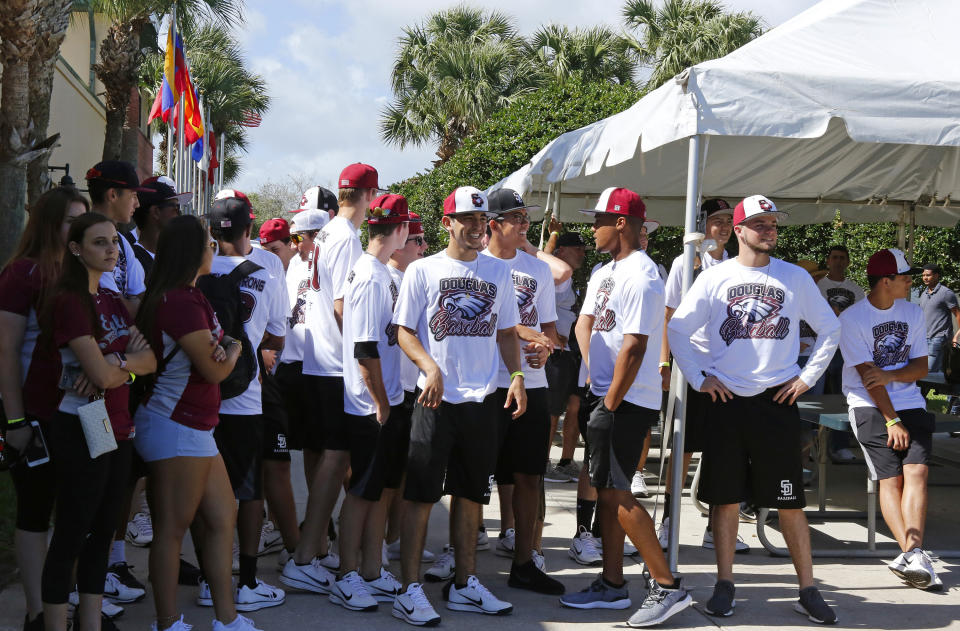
[455,312]
[750,309]
[319,198]
[619,331]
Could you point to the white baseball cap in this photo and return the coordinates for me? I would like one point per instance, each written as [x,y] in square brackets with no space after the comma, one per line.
[318,197]
[754,206]
[309,220]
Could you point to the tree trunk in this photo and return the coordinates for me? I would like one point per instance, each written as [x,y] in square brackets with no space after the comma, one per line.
[120,58]
[113,133]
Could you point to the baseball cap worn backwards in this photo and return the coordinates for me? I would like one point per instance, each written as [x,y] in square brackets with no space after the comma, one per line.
[619,201]
[890,262]
[416,224]
[230,212]
[467,199]
[156,190]
[318,198]
[116,174]
[274,230]
[358,175]
[504,200]
[756,206]
[387,209]
[232,193]
[307,220]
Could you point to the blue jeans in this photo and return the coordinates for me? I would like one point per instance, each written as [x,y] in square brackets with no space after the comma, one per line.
[936,351]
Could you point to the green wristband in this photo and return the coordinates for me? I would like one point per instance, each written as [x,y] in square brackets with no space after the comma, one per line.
[893,421]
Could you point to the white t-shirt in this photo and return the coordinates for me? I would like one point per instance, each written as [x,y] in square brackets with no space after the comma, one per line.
[336,249]
[264,294]
[368,317]
[887,338]
[536,303]
[456,308]
[298,285]
[752,317]
[840,295]
[625,297]
[127,278]
[673,292]
[566,300]
[408,370]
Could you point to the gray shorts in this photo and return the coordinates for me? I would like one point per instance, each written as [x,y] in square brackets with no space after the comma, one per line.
[159,438]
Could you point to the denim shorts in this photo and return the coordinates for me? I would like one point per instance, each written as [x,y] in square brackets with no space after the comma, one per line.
[159,438]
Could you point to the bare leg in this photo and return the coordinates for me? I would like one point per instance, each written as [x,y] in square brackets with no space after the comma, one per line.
[249,527]
[218,514]
[353,516]
[526,509]
[554,421]
[891,505]
[324,491]
[726,522]
[570,428]
[278,491]
[646,451]
[417,514]
[465,527]
[914,504]
[396,512]
[796,532]
[31,549]
[55,617]
[372,545]
[507,505]
[621,514]
[88,612]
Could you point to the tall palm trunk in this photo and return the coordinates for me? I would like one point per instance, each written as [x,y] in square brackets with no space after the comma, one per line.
[120,58]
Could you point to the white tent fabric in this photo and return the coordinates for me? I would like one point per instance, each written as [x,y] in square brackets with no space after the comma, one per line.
[852,105]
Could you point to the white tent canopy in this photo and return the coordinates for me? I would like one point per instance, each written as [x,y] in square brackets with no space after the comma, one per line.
[852,105]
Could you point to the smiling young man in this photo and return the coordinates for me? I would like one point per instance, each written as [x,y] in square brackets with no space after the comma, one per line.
[885,352]
[750,308]
[456,314]
[619,331]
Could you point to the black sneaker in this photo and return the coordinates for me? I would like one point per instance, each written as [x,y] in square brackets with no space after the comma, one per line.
[122,570]
[189,574]
[812,605]
[33,625]
[722,602]
[529,576]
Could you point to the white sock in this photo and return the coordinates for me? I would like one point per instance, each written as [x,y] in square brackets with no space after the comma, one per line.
[118,552]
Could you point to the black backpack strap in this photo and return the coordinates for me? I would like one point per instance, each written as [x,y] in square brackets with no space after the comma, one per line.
[129,237]
[242,271]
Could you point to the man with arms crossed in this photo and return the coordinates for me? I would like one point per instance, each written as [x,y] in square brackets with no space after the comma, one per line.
[456,308]
[619,331]
[885,352]
[751,307]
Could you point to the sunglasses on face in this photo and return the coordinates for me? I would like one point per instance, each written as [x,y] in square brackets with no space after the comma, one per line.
[419,240]
[296,238]
[213,245]
[519,219]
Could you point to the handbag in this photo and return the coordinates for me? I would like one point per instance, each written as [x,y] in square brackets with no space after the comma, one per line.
[951,363]
[96,427]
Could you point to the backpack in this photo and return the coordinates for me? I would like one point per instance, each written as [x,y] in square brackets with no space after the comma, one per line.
[223,292]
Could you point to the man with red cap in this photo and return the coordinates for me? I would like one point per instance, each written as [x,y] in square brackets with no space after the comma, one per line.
[749,309]
[336,249]
[619,332]
[456,311]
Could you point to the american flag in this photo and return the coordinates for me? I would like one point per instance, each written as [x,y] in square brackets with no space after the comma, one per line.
[250,119]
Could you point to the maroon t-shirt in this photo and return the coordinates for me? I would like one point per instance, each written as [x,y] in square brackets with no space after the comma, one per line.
[20,288]
[71,319]
[180,392]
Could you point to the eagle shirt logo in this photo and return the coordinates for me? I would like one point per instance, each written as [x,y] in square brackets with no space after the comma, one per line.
[752,310]
[604,319]
[889,344]
[464,309]
[525,288]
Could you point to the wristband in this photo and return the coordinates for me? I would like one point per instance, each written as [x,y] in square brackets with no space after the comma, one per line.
[518,373]
[664,364]
[554,234]
[133,378]
[893,422]
[16,421]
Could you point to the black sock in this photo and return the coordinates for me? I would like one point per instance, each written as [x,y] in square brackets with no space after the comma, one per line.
[674,585]
[248,570]
[585,510]
[666,505]
[564,462]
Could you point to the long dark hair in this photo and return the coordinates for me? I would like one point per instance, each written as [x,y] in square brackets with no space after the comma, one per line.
[40,241]
[180,252]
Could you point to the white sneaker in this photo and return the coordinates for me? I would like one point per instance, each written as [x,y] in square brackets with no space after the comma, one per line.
[583,549]
[179,625]
[312,577]
[919,571]
[270,539]
[443,568]
[240,623]
[899,565]
[538,560]
[663,533]
[260,597]
[385,587]
[204,597]
[107,608]
[235,567]
[638,486]
[483,541]
[506,542]
[412,606]
[742,547]
[117,592]
[331,561]
[393,552]
[384,556]
[476,598]
[351,592]
[842,455]
[140,530]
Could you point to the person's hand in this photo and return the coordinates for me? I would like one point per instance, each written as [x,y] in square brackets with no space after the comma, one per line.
[873,376]
[516,394]
[555,224]
[536,354]
[790,391]
[137,342]
[112,359]
[383,413]
[269,360]
[219,354]
[563,340]
[84,387]
[665,378]
[715,388]
[537,337]
[432,390]
[898,437]
[804,346]
[20,437]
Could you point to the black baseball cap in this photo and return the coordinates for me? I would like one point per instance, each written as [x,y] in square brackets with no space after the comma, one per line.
[715,206]
[116,174]
[159,189]
[230,212]
[504,200]
[570,239]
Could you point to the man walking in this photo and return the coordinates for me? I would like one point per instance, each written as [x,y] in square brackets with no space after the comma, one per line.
[939,303]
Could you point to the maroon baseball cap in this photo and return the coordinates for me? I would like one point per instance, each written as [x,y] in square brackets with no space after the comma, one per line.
[619,201]
[416,224]
[389,208]
[756,206]
[274,230]
[359,175]
[890,262]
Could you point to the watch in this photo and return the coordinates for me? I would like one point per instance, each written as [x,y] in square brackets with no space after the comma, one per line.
[123,359]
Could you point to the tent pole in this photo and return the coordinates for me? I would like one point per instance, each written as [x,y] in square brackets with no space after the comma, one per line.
[911,242]
[547,214]
[901,234]
[680,410]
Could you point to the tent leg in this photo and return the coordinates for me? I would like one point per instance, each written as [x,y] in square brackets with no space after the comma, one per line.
[689,253]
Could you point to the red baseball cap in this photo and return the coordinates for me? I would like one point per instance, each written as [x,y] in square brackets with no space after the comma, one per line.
[890,262]
[229,193]
[755,206]
[467,199]
[416,224]
[619,201]
[359,175]
[274,230]
[389,208]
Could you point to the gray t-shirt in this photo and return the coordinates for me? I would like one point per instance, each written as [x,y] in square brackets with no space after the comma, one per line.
[936,307]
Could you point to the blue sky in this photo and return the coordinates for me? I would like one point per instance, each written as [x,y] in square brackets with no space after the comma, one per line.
[327,64]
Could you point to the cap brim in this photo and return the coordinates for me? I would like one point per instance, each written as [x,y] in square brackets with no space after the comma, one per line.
[183,198]
[779,214]
[651,225]
[488,213]
[142,189]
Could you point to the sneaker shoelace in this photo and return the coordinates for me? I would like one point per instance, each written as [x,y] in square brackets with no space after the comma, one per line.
[445,558]
[655,595]
[475,583]
[143,523]
[419,598]
[356,583]
[588,543]
[387,575]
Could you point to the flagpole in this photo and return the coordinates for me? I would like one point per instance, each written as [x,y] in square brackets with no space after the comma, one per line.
[173,25]
[223,157]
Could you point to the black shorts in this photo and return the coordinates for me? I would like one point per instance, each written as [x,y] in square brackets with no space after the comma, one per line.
[240,441]
[616,443]
[699,407]
[524,443]
[752,451]
[588,401]
[870,428]
[453,450]
[324,416]
[296,403]
[563,369]
[378,454]
[36,487]
[275,443]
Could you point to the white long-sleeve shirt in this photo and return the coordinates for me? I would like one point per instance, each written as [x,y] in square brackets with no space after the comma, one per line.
[752,319]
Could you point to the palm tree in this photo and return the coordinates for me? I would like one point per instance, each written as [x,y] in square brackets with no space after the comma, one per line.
[450,74]
[589,54]
[683,33]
